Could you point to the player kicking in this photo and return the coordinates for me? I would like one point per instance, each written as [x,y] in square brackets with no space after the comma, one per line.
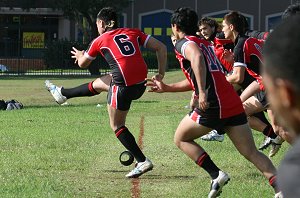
[219,106]
[121,49]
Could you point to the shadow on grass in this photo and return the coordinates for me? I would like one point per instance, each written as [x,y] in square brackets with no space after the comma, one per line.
[170,177]
[146,101]
[63,106]
[152,176]
[79,105]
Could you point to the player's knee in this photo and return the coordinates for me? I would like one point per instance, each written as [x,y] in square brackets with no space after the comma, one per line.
[249,153]
[178,141]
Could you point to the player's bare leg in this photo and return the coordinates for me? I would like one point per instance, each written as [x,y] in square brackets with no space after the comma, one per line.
[241,137]
[186,132]
[102,83]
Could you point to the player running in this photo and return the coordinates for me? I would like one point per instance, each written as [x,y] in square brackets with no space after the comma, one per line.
[219,106]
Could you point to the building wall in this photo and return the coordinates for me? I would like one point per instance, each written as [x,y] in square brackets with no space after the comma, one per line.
[259,9]
[153,17]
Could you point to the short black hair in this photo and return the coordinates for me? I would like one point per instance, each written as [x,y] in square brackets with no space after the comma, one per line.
[293,9]
[186,20]
[281,51]
[237,20]
[109,16]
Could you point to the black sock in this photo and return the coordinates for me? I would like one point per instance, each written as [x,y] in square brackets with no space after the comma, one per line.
[208,165]
[82,90]
[262,117]
[127,139]
[268,131]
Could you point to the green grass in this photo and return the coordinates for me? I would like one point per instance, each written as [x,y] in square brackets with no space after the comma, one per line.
[48,150]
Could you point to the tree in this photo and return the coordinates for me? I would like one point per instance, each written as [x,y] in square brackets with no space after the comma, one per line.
[75,10]
[88,9]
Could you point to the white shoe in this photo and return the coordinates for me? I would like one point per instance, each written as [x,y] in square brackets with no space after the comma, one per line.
[141,168]
[278,195]
[275,145]
[266,143]
[217,184]
[213,136]
[56,92]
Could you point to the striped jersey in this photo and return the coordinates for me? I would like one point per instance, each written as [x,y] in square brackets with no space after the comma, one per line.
[222,98]
[121,49]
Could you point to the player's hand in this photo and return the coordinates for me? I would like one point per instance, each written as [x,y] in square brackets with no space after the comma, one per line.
[76,54]
[155,85]
[228,55]
[203,104]
[158,77]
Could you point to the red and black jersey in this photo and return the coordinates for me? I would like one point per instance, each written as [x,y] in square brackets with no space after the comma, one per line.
[220,46]
[223,100]
[248,53]
[121,49]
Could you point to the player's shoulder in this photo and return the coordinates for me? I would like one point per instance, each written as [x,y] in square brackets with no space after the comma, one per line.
[129,30]
[257,41]
[254,43]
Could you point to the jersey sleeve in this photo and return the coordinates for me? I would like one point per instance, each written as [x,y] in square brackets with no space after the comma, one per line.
[239,56]
[92,50]
[181,45]
[143,38]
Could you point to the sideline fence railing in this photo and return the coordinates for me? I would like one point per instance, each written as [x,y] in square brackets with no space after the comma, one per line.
[55,59]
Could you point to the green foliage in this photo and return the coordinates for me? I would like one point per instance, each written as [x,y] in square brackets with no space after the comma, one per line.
[88,9]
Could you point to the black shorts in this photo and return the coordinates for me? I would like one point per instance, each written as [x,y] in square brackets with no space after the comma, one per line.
[217,123]
[262,98]
[120,97]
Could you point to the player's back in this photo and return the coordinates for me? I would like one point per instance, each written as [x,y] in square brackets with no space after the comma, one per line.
[221,95]
[121,49]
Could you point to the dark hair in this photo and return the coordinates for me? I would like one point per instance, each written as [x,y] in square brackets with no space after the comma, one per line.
[186,20]
[281,51]
[109,16]
[210,22]
[237,20]
[293,9]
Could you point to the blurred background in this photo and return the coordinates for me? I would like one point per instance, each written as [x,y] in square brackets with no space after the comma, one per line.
[36,36]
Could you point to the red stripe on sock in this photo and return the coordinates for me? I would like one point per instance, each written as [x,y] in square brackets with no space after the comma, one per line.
[91,88]
[272,180]
[201,158]
[120,131]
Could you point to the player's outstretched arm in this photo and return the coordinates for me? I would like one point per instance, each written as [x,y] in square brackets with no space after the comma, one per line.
[159,86]
[161,54]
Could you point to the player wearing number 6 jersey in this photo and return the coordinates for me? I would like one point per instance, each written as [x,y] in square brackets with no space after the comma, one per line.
[121,49]
[219,106]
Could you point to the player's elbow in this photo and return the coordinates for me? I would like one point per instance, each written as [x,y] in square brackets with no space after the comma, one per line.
[162,49]
[239,79]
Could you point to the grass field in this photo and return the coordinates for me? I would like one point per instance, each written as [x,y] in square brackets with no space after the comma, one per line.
[49,150]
